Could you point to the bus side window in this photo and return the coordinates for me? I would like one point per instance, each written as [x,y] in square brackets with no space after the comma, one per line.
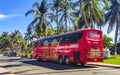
[73,39]
[67,40]
[62,41]
[54,42]
[41,42]
[78,37]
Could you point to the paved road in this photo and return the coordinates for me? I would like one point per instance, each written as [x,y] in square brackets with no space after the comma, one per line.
[22,66]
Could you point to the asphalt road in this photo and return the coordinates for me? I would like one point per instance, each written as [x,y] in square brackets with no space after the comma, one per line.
[23,66]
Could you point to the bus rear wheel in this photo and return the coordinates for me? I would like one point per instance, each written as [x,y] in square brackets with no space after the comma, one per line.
[83,64]
[67,61]
[60,60]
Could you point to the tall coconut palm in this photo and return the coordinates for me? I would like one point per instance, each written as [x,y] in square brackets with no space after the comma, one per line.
[81,9]
[91,14]
[66,16]
[29,36]
[40,22]
[113,18]
[56,7]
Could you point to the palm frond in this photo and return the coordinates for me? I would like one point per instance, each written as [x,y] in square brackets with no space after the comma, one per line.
[111,24]
[32,23]
[81,22]
[48,24]
[42,7]
[30,11]
[61,18]
[77,3]
[107,16]
[36,4]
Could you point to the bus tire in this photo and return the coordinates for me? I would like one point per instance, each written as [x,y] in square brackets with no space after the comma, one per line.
[67,61]
[83,64]
[37,58]
[60,60]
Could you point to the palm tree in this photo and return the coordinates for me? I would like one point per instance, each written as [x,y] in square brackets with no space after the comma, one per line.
[94,14]
[56,7]
[29,36]
[4,34]
[14,35]
[4,41]
[15,38]
[66,16]
[40,22]
[81,9]
[113,18]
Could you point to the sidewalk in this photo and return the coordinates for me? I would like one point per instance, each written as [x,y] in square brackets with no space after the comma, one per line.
[104,65]
[4,71]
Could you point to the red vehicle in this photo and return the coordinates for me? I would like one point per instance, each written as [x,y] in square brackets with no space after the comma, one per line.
[80,46]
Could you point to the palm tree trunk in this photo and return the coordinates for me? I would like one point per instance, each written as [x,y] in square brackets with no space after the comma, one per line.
[92,23]
[83,13]
[65,19]
[57,20]
[100,27]
[116,32]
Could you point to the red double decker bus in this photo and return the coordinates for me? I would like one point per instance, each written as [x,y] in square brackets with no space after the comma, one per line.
[80,46]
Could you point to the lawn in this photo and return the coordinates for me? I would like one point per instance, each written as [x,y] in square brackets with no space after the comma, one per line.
[112,60]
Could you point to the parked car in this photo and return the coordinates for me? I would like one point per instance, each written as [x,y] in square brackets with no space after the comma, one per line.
[6,53]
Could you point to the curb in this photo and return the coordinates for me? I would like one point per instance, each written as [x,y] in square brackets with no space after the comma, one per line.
[4,71]
[105,65]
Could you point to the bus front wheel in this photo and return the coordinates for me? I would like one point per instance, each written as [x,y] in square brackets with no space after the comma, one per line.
[60,60]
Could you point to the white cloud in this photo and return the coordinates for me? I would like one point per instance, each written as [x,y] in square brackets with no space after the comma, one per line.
[2,16]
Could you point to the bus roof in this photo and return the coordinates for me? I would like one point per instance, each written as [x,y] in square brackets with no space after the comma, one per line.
[68,34]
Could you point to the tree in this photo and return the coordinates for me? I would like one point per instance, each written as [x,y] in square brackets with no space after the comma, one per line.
[107,41]
[49,31]
[113,19]
[11,41]
[14,39]
[56,7]
[94,14]
[66,16]
[4,41]
[30,35]
[40,22]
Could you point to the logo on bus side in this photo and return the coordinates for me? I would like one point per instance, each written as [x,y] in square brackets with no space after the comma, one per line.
[74,46]
[71,46]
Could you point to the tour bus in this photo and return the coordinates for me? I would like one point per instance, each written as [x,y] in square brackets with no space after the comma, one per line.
[79,46]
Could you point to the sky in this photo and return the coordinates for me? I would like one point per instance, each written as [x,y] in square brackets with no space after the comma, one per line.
[12,16]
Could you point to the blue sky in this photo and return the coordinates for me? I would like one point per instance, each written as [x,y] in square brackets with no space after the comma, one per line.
[12,16]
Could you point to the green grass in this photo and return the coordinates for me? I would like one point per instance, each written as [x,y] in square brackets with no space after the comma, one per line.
[112,60]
